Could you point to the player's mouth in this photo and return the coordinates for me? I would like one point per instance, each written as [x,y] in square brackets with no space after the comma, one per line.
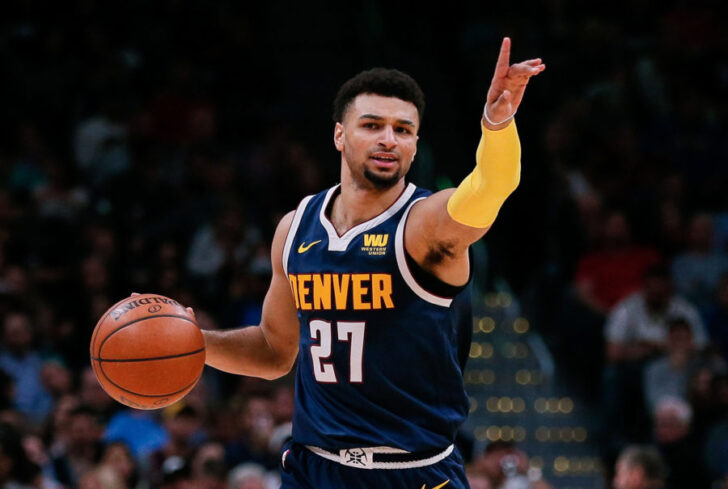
[384,160]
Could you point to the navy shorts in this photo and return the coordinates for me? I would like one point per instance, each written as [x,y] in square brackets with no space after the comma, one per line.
[303,469]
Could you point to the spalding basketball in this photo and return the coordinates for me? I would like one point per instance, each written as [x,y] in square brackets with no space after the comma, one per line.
[147,351]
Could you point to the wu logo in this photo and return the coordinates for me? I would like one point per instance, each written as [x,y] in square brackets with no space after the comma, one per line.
[376,240]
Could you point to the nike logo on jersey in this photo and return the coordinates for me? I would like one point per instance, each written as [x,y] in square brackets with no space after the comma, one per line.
[305,247]
[438,487]
[327,291]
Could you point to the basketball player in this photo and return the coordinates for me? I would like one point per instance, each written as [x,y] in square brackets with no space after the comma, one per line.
[368,293]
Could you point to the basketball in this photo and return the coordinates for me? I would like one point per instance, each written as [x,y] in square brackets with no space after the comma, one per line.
[147,351]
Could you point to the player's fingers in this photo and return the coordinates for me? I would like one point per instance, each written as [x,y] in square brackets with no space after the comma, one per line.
[191,312]
[501,66]
[134,294]
[522,69]
[532,62]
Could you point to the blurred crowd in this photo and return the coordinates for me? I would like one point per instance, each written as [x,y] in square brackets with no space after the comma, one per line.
[153,148]
[632,283]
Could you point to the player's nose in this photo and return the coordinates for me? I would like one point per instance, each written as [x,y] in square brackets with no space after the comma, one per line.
[386,137]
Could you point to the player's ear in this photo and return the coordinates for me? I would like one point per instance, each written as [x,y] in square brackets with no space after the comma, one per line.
[339,136]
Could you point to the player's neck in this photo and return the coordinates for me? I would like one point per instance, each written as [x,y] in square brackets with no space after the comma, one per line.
[355,205]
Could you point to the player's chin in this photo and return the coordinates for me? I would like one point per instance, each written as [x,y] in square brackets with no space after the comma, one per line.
[383,180]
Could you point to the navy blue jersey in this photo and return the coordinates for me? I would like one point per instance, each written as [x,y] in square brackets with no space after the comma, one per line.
[380,355]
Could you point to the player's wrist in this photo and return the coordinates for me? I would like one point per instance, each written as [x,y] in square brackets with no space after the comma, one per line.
[492,125]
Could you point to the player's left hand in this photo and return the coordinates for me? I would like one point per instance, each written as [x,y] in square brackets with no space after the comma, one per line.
[508,85]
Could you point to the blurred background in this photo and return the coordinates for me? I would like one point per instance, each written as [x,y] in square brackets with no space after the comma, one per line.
[153,147]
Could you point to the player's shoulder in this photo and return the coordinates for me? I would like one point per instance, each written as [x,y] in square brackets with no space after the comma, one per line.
[420,192]
[288,219]
[284,225]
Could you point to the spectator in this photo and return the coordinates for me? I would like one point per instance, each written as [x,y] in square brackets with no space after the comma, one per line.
[208,468]
[117,469]
[603,277]
[282,411]
[56,378]
[139,430]
[183,423]
[36,452]
[255,425]
[175,474]
[16,470]
[611,273]
[23,363]
[478,481]
[704,398]
[248,476]
[697,271]
[100,144]
[91,394]
[678,445]
[668,375]
[640,467]
[78,451]
[637,327]
[636,331]
[229,239]
[506,467]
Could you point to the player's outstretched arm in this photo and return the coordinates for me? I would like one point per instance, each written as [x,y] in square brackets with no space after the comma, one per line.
[270,349]
[441,227]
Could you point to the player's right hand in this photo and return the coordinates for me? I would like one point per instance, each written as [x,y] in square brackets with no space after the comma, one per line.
[508,85]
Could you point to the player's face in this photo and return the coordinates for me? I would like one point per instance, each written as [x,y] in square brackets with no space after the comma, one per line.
[378,140]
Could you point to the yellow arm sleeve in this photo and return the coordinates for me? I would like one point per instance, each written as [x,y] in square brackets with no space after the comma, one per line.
[497,172]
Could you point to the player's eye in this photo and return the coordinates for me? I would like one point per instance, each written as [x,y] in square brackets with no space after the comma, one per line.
[402,130]
[371,125]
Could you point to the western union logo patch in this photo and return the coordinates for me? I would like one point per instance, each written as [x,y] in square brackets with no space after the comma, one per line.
[378,240]
[375,244]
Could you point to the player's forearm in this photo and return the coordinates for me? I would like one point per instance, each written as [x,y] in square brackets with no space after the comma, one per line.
[497,172]
[245,351]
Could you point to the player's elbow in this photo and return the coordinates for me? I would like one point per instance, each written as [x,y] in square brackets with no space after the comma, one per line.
[507,185]
[279,368]
[276,373]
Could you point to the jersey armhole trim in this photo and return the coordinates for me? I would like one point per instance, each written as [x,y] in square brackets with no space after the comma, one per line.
[404,268]
[292,231]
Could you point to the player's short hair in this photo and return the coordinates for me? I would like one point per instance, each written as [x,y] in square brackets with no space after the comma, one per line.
[379,81]
[648,458]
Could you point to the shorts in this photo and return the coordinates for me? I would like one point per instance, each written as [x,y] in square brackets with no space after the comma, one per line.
[303,469]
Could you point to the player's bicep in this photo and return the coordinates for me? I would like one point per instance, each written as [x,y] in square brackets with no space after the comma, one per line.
[279,321]
[430,223]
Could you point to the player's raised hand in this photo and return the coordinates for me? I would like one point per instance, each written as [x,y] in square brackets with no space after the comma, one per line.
[508,85]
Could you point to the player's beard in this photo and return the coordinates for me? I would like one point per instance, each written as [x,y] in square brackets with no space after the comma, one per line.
[382,182]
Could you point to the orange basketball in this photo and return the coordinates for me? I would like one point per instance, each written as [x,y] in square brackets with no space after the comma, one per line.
[147,351]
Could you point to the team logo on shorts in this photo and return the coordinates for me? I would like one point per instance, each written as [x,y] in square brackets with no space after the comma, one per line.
[356,456]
